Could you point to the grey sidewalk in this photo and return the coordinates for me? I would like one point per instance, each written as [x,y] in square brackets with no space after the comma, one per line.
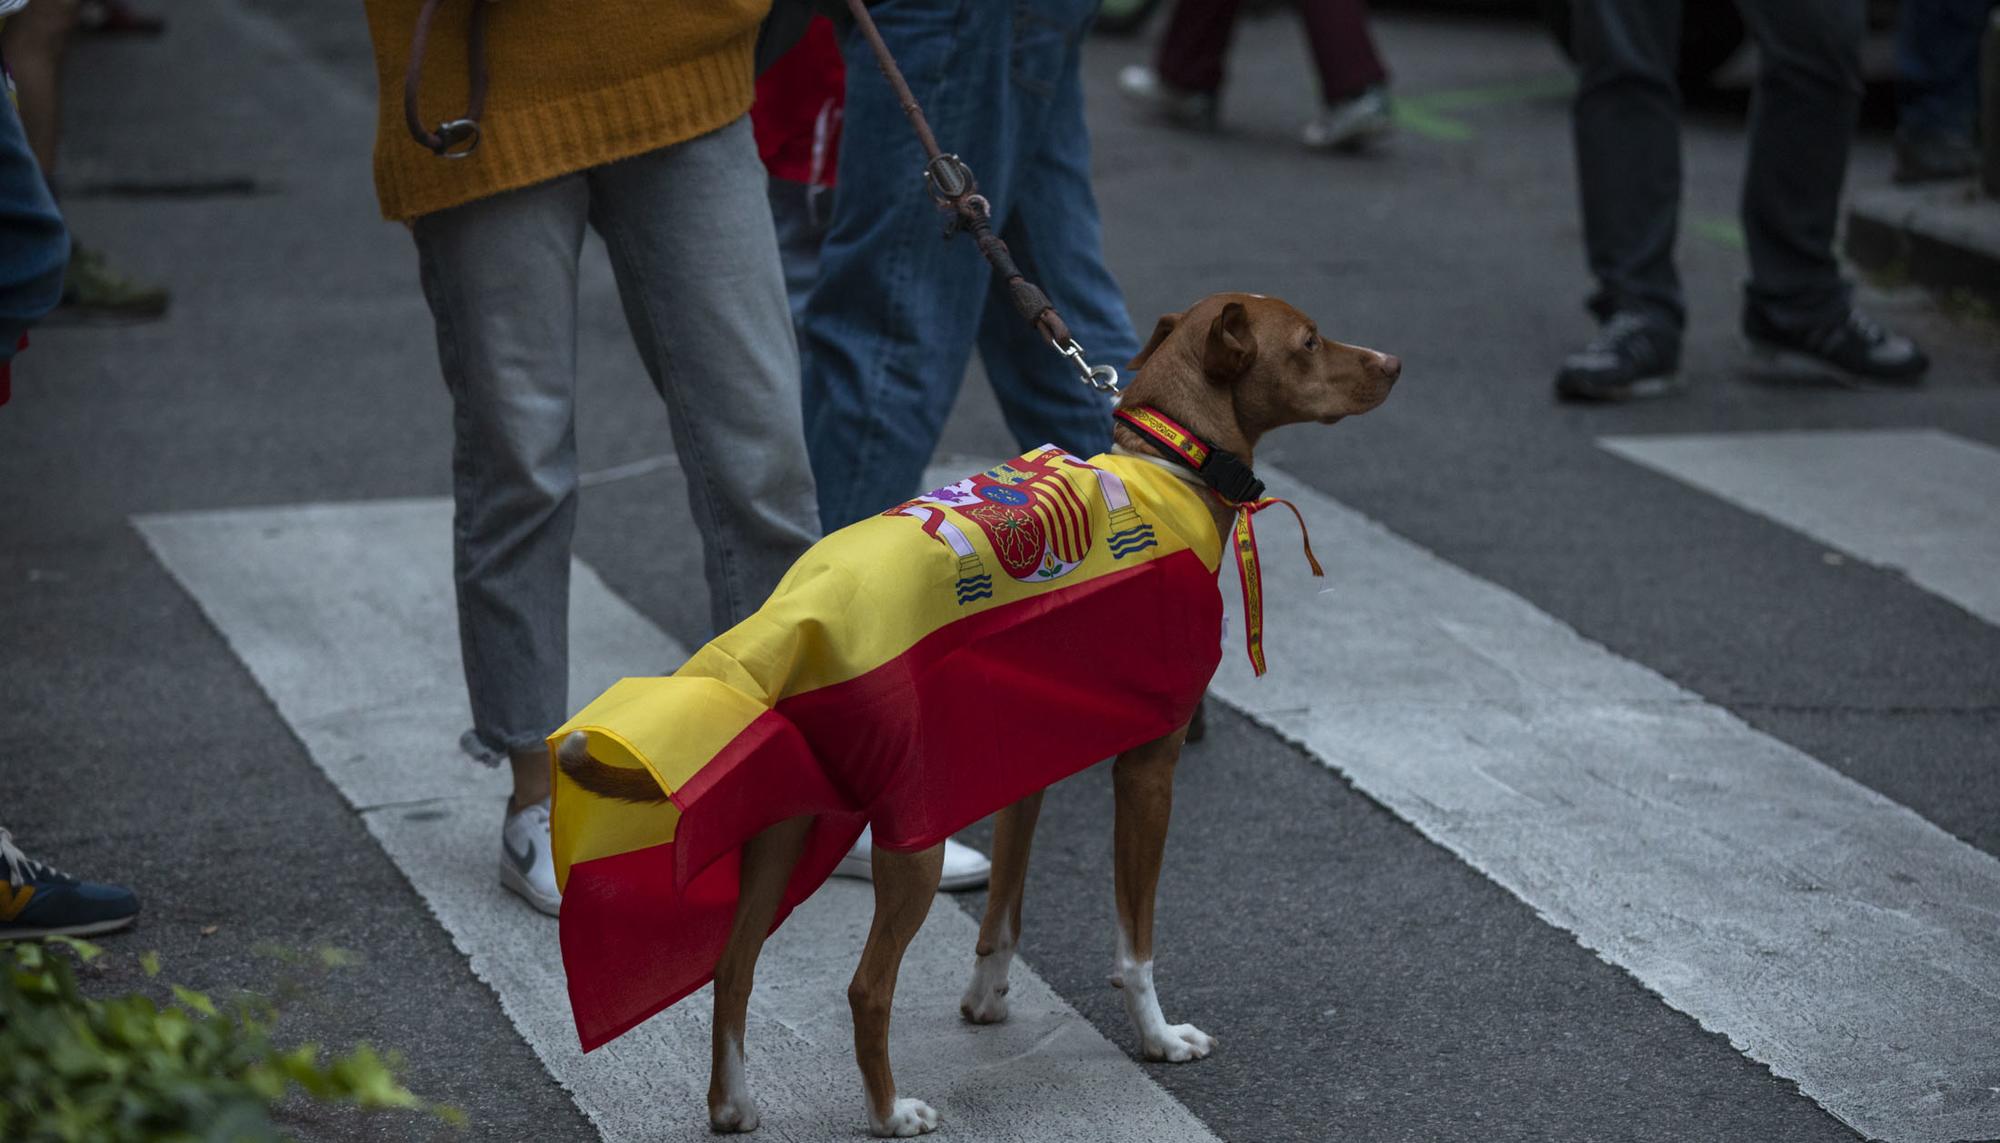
[1945,238]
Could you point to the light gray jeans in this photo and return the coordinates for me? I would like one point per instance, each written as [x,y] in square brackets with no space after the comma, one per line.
[692,245]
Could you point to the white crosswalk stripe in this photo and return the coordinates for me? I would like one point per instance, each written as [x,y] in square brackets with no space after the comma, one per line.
[344,614]
[1828,932]
[1919,500]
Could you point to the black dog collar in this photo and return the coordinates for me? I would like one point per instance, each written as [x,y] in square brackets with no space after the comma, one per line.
[1222,470]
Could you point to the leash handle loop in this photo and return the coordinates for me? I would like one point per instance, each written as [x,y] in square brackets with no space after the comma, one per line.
[454,138]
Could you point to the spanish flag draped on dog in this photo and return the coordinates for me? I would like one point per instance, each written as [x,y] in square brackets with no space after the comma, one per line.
[917,670]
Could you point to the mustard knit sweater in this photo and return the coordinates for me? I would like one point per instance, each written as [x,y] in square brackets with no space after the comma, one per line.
[571,86]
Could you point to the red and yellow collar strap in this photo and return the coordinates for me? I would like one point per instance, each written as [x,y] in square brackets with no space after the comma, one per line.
[1235,485]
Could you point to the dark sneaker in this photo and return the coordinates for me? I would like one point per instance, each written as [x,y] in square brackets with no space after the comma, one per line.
[1143,85]
[37,901]
[1630,358]
[1854,351]
[1933,157]
[94,292]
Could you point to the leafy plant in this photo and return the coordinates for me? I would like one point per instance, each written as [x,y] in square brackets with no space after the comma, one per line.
[128,1068]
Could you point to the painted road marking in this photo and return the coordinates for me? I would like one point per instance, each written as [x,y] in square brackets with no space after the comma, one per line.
[344,615]
[1427,113]
[1827,931]
[1924,502]
[1722,230]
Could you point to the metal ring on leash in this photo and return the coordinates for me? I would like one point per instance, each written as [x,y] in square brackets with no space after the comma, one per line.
[454,132]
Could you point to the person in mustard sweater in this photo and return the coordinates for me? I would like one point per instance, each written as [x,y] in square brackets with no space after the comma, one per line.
[631,120]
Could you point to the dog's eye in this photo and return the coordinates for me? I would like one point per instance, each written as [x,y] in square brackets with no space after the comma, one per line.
[1312,341]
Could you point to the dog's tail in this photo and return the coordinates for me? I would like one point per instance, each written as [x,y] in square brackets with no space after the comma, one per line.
[614,782]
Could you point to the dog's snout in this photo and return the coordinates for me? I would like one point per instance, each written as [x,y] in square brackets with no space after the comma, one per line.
[1390,365]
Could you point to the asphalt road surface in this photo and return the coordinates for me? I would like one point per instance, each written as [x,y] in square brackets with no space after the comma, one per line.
[1632,775]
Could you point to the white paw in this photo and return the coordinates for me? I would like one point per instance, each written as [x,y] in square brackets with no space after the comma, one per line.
[733,1116]
[1177,1044]
[909,1117]
[984,1005]
[985,1000]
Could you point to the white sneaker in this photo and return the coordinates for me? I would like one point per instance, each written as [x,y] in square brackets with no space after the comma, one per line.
[964,866]
[526,864]
[1351,123]
[1143,85]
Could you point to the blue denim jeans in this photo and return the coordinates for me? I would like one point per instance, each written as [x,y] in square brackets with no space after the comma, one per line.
[36,246]
[697,267]
[892,320]
[1937,66]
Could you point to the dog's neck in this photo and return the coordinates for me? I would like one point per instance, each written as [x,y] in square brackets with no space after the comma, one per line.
[1172,381]
[1127,442]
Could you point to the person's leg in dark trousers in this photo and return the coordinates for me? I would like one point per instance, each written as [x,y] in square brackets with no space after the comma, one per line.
[1937,66]
[1342,49]
[1802,118]
[1197,39]
[1937,88]
[1628,154]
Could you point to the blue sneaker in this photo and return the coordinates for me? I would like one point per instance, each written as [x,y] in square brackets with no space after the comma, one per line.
[37,901]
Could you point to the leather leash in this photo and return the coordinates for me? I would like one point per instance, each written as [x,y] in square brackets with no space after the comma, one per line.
[454,138]
[954,189]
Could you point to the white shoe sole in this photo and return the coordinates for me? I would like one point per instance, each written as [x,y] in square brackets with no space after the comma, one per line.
[862,869]
[512,880]
[1360,133]
[1789,364]
[91,929]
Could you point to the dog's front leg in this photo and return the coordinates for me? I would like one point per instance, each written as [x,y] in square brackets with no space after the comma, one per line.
[1143,779]
[985,999]
[768,859]
[905,883]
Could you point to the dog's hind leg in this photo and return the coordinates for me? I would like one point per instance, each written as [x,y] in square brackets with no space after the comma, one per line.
[905,883]
[1143,779]
[1000,932]
[767,865]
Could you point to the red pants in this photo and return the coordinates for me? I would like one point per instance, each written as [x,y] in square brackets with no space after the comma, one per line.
[1198,35]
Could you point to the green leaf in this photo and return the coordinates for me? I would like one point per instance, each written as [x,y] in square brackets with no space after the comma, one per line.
[74,1067]
[84,950]
[150,961]
[195,1000]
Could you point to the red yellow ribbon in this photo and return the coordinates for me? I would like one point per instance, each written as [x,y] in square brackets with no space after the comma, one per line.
[1251,574]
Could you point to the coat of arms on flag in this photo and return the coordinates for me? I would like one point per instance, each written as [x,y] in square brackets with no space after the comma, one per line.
[1032,515]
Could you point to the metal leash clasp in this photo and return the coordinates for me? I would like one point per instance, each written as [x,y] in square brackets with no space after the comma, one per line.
[452,133]
[1103,378]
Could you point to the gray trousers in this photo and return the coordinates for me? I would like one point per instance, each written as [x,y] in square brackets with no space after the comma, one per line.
[1802,115]
[696,259]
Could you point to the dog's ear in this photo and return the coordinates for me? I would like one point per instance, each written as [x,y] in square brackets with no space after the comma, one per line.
[1166,326]
[1230,348]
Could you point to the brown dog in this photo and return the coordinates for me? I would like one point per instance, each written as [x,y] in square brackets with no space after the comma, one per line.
[1229,369]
